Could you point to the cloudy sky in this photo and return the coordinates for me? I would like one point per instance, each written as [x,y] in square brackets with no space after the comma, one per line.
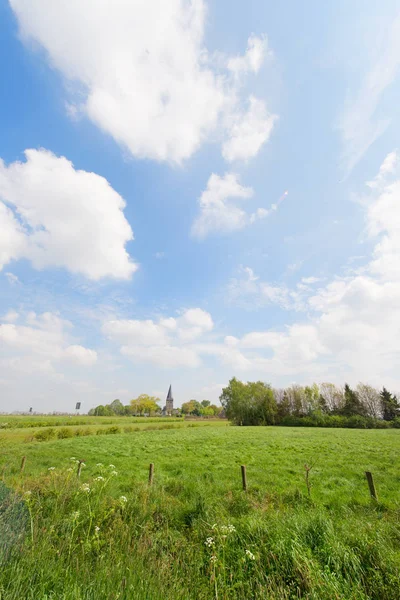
[191,190]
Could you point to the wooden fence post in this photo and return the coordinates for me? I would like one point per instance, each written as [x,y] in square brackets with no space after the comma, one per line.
[23,461]
[244,477]
[78,473]
[371,485]
[151,473]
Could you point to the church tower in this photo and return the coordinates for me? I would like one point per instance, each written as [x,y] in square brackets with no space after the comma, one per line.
[169,403]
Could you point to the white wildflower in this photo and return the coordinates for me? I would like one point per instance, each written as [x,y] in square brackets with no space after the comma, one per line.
[99,465]
[209,542]
[28,493]
[99,478]
[85,488]
[114,473]
[123,499]
[73,458]
[111,466]
[51,469]
[97,529]
[250,555]
[75,515]
[213,559]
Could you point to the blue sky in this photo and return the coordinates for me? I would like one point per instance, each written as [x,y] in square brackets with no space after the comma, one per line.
[210,189]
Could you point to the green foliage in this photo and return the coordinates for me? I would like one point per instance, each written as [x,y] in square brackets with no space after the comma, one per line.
[64,433]
[145,405]
[390,405]
[44,435]
[249,403]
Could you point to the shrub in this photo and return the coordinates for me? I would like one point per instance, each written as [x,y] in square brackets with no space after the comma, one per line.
[64,433]
[44,435]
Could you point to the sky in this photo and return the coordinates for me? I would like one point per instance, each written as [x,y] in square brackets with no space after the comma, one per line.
[194,190]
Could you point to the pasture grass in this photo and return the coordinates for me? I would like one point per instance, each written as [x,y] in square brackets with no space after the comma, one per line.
[195,534]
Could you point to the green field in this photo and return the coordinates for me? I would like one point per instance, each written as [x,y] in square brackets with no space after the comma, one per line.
[335,542]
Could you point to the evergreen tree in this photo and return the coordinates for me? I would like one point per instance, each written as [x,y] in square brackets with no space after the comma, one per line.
[352,404]
[390,405]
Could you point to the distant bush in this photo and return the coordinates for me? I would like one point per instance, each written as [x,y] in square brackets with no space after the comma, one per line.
[109,430]
[64,433]
[82,432]
[44,435]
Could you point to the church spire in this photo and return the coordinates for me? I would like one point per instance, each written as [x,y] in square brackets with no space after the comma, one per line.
[169,403]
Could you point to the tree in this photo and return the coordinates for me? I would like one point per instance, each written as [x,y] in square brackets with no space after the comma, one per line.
[192,407]
[145,405]
[312,397]
[333,397]
[370,399]
[352,405]
[117,407]
[390,405]
[251,403]
[205,403]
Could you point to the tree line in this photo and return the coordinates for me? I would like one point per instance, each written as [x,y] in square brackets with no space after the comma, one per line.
[324,405]
[145,405]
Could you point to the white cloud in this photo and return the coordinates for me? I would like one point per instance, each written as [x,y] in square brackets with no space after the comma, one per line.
[359,125]
[248,131]
[42,340]
[249,291]
[163,356]
[11,277]
[388,167]
[139,333]
[166,342]
[257,50]
[148,82]
[352,331]
[80,355]
[10,317]
[217,213]
[62,218]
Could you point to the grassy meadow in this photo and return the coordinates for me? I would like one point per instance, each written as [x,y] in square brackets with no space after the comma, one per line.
[195,534]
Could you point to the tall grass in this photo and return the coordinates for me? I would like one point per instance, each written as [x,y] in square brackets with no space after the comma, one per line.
[195,534]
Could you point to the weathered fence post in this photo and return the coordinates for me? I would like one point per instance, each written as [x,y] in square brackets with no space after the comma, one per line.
[151,473]
[78,473]
[371,485]
[23,461]
[244,477]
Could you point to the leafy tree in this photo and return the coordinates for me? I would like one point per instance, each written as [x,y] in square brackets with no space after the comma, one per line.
[371,400]
[352,404]
[333,397]
[205,403]
[192,407]
[145,405]
[117,407]
[390,405]
[249,403]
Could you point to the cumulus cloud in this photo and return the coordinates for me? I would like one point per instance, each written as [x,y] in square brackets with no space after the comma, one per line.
[217,212]
[42,340]
[57,216]
[248,131]
[353,324]
[141,70]
[165,342]
[80,355]
[252,60]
